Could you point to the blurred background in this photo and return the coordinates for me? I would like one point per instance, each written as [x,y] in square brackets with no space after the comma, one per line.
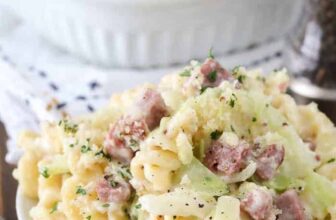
[66,57]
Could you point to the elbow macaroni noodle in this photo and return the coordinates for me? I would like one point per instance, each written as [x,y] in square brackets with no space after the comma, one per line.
[62,165]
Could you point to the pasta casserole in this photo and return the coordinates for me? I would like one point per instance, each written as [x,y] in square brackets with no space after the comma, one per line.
[205,143]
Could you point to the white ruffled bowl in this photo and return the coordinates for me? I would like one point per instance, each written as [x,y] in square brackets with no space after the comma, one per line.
[143,33]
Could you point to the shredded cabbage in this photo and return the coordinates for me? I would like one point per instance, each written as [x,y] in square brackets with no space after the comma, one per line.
[242,175]
[319,195]
[228,208]
[181,202]
[199,178]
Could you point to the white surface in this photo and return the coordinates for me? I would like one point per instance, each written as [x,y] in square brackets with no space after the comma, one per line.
[24,57]
[148,33]
[7,19]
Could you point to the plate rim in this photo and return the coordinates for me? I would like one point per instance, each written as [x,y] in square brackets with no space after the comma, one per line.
[23,204]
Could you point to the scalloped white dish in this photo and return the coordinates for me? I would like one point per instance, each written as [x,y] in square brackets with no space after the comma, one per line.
[130,33]
[23,205]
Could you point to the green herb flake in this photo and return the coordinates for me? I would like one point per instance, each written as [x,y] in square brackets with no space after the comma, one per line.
[113,183]
[88,217]
[106,205]
[101,153]
[215,134]
[80,191]
[44,172]
[241,78]
[134,144]
[331,160]
[203,89]
[137,206]
[124,172]
[85,148]
[232,128]
[254,119]
[68,127]
[232,102]
[54,208]
[235,70]
[212,77]
[211,55]
[185,73]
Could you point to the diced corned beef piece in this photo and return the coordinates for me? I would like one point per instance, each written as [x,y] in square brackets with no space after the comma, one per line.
[213,73]
[227,160]
[152,108]
[290,205]
[269,161]
[109,191]
[124,137]
[258,203]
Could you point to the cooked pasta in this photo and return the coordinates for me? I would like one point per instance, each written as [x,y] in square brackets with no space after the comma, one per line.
[205,143]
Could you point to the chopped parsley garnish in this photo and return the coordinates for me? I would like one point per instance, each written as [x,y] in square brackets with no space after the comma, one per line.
[80,190]
[103,154]
[106,205]
[241,78]
[88,217]
[232,128]
[232,103]
[215,134]
[113,183]
[212,76]
[185,73]
[249,131]
[124,172]
[134,144]
[85,148]
[331,160]
[44,172]
[254,119]
[211,55]
[137,206]
[53,208]
[232,100]
[68,127]
[203,89]
[235,70]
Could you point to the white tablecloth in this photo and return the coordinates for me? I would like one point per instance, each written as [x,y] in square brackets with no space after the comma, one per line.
[39,82]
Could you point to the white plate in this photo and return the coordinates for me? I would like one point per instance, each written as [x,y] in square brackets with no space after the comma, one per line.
[23,205]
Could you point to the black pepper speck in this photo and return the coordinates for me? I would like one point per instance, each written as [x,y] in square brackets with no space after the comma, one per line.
[81,97]
[53,86]
[42,74]
[90,108]
[93,85]
[60,105]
